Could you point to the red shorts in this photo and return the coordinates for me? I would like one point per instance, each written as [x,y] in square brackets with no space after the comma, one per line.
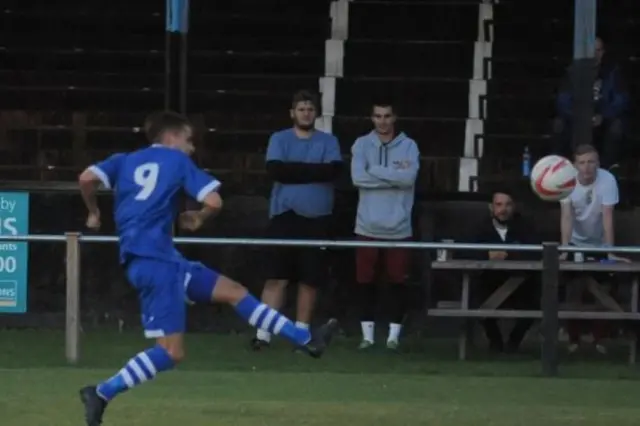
[395,262]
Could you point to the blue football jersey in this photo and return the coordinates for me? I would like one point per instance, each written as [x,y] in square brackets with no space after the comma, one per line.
[147,185]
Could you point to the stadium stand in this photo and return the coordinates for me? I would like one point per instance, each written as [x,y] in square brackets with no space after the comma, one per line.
[77,78]
[246,60]
[420,56]
[524,73]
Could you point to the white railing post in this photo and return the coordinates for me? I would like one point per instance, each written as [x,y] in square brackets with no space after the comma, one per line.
[72,327]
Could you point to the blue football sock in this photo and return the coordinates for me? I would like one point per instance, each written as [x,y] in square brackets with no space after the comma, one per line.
[139,369]
[263,317]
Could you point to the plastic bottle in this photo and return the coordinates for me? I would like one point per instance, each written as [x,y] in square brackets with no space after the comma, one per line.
[526,162]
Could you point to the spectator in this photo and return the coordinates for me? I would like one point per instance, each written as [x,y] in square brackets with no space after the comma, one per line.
[587,221]
[303,163]
[611,101]
[384,167]
[506,226]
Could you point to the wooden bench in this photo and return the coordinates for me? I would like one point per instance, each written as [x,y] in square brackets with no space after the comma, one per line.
[606,309]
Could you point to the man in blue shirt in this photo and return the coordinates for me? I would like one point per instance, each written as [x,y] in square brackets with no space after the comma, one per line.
[303,163]
[147,184]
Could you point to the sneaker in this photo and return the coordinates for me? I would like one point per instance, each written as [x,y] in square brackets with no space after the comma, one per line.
[94,406]
[365,344]
[321,338]
[393,345]
[258,345]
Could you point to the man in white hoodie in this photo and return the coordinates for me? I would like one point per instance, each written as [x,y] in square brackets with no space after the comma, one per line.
[384,167]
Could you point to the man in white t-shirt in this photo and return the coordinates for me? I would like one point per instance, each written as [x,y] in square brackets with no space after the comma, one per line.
[587,220]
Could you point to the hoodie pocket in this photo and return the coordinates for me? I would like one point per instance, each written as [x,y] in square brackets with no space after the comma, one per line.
[384,213]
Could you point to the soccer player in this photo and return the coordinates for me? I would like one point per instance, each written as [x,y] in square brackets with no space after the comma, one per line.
[146,184]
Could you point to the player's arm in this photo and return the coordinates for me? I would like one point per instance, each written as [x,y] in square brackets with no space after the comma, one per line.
[211,205]
[607,222]
[298,172]
[609,200]
[89,181]
[404,177]
[566,223]
[203,187]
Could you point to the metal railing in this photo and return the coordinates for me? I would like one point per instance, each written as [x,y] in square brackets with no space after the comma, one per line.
[550,261]
[327,243]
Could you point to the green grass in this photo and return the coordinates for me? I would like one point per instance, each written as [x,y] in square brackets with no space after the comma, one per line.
[223,383]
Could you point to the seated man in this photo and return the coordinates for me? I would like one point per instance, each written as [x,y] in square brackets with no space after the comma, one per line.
[505,226]
[611,101]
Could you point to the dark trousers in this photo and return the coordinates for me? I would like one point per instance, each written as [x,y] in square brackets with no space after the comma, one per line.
[575,328]
[526,297]
[607,138]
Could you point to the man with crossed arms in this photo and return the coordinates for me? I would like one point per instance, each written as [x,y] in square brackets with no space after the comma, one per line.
[384,167]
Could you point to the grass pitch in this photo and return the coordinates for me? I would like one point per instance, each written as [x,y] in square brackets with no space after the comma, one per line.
[223,383]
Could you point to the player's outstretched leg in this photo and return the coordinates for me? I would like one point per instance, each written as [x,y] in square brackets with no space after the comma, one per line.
[263,317]
[207,285]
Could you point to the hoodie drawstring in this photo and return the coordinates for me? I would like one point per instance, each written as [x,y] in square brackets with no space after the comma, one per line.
[385,149]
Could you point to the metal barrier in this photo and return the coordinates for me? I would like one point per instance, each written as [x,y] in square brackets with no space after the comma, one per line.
[326,243]
[550,260]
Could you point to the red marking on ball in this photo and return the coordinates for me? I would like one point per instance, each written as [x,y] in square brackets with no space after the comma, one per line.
[545,192]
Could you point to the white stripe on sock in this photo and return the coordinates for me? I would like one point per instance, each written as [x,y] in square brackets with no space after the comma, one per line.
[148,363]
[301,324]
[281,322]
[253,319]
[127,378]
[138,371]
[268,319]
[263,335]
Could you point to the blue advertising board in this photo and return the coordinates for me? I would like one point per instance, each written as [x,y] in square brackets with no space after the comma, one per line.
[14,220]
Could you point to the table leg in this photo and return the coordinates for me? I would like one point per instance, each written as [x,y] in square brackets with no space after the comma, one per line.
[464,305]
[633,350]
[602,296]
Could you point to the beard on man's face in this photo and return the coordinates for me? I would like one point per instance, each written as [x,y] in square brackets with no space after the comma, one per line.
[502,219]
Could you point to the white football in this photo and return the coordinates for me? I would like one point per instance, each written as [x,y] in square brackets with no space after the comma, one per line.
[553,178]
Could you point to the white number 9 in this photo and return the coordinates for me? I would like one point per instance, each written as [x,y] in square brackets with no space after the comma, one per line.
[146,176]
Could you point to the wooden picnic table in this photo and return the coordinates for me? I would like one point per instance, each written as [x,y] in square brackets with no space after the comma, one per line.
[611,310]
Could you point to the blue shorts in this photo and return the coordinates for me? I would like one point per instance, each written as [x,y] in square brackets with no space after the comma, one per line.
[164,288]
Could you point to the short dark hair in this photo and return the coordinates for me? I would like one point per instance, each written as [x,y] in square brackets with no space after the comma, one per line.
[383,103]
[501,190]
[304,96]
[584,149]
[159,122]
